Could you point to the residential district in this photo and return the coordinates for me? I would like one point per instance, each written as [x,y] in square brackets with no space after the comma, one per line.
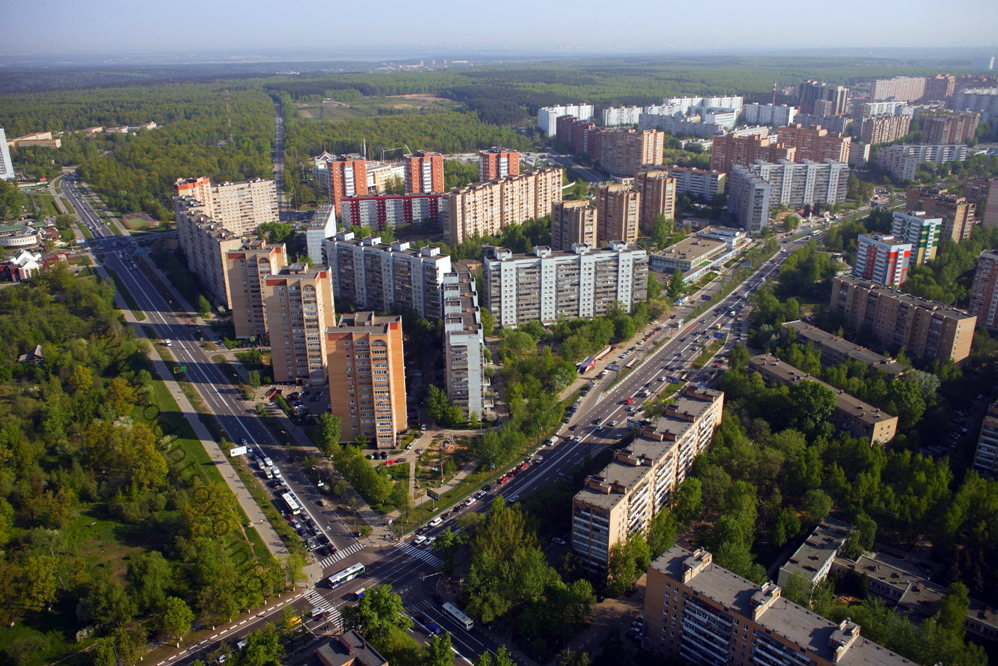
[332,316]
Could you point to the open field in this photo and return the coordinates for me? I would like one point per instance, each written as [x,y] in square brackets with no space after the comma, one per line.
[376,106]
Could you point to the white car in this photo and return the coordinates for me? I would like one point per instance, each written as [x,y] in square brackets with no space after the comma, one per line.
[419,540]
[613,423]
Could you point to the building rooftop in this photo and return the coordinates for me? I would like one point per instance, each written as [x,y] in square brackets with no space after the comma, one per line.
[496,253]
[693,248]
[461,311]
[349,649]
[845,403]
[821,338]
[429,252]
[782,617]
[822,545]
[365,322]
[906,299]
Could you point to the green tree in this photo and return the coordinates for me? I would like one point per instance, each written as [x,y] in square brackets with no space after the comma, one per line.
[654,288]
[798,590]
[203,306]
[176,620]
[108,605]
[377,613]
[791,222]
[786,526]
[953,608]
[661,230]
[10,199]
[438,651]
[488,321]
[689,501]
[817,505]
[677,285]
[253,378]
[263,648]
[329,434]
[149,579]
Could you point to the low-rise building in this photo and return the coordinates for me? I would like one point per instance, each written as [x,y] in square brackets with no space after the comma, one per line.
[926,329]
[545,284]
[835,350]
[374,275]
[464,343]
[349,649]
[688,253]
[626,495]
[851,414]
[813,560]
[705,614]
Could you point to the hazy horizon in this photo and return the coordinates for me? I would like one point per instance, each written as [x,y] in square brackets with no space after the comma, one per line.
[255,31]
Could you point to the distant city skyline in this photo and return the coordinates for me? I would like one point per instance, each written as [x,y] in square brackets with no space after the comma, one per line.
[251,30]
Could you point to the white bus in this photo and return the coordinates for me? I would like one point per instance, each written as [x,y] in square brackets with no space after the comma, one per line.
[292,504]
[458,616]
[346,575]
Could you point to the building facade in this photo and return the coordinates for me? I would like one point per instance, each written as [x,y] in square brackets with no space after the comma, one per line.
[247,268]
[687,254]
[625,496]
[883,129]
[547,116]
[657,190]
[749,198]
[344,175]
[743,147]
[544,285]
[373,275]
[882,259]
[816,145]
[900,88]
[949,127]
[6,166]
[813,560]
[769,114]
[700,183]
[392,211]
[919,230]
[704,614]
[464,344]
[618,210]
[991,208]
[298,302]
[321,225]
[626,115]
[850,414]
[983,101]
[939,87]
[926,329]
[624,151]
[366,369]
[424,172]
[485,209]
[237,207]
[572,223]
[902,160]
[956,213]
[801,183]
[205,243]
[497,163]
[984,293]
[823,99]
[986,454]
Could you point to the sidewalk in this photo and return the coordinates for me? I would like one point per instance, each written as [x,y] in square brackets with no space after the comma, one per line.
[256,518]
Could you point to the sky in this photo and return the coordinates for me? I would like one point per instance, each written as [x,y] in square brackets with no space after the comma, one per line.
[367,29]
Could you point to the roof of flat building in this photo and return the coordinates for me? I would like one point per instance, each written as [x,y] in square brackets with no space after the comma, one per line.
[349,649]
[841,345]
[784,618]
[821,546]
[364,322]
[618,480]
[428,252]
[906,299]
[692,248]
[460,304]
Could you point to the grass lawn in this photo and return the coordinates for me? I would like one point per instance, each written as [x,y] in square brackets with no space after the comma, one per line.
[113,227]
[369,106]
[44,205]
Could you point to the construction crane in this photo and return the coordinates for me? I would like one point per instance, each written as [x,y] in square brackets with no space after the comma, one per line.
[228,116]
[392,150]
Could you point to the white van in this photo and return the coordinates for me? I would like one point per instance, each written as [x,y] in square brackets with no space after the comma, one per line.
[435,522]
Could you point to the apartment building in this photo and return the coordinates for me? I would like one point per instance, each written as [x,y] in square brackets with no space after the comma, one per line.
[902,161]
[823,99]
[859,154]
[919,230]
[624,151]
[939,87]
[882,259]
[956,213]
[376,276]
[830,123]
[704,614]
[926,329]
[321,225]
[976,190]
[366,370]
[424,172]
[982,100]
[618,209]
[682,125]
[298,302]
[991,208]
[497,163]
[852,415]
[547,116]
[6,166]
[625,496]
[835,350]
[342,175]
[657,190]
[949,127]
[700,183]
[743,147]
[883,129]
[816,145]
[749,198]
[900,88]
[382,176]
[626,115]
[769,114]
[392,211]
[565,126]
[485,209]
[572,223]
[205,243]
[813,560]
[806,182]
[237,207]
[464,343]
[246,270]
[984,293]
[986,454]
[545,284]
[870,109]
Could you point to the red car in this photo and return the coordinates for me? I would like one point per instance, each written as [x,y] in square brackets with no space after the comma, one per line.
[524,465]
[503,479]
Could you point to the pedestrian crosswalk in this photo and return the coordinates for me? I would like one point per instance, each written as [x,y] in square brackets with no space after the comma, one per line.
[426,556]
[318,601]
[346,552]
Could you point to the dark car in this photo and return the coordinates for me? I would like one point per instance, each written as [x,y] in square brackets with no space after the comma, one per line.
[434,628]
[384,455]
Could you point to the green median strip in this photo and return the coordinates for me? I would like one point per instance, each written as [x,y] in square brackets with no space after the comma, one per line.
[127,295]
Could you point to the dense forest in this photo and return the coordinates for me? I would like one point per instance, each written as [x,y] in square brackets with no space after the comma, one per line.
[110,540]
